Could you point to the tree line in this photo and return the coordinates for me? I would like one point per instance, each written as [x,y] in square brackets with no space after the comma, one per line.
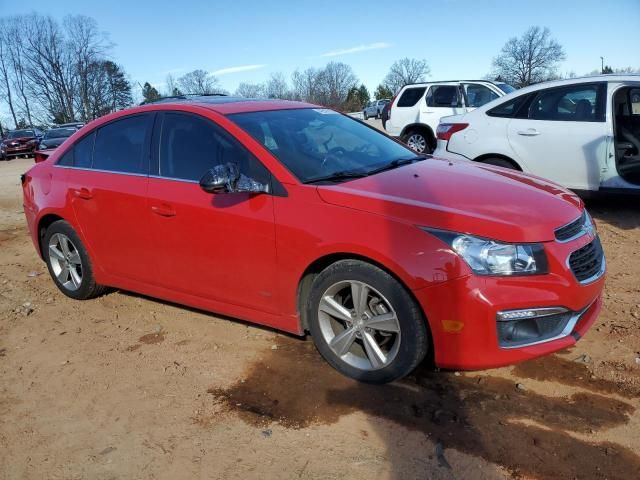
[58,72]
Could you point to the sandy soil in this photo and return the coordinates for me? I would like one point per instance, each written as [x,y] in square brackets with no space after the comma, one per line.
[124,386]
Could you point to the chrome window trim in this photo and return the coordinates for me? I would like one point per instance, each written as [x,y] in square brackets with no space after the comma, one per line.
[71,167]
[568,329]
[184,180]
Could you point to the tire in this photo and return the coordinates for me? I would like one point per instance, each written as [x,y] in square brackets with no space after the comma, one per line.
[500,162]
[364,114]
[73,258]
[417,141]
[400,332]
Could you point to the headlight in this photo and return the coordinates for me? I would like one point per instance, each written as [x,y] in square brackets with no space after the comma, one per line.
[489,257]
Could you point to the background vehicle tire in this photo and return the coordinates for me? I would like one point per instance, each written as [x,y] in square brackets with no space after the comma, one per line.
[417,141]
[364,114]
[364,322]
[500,162]
[68,262]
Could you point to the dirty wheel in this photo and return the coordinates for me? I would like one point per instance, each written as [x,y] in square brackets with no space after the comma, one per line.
[68,262]
[365,324]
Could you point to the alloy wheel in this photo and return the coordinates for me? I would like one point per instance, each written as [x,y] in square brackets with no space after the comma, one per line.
[359,325]
[65,261]
[417,142]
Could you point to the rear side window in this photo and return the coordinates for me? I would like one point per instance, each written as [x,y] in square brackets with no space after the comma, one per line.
[80,154]
[120,145]
[443,96]
[411,96]
[510,109]
[578,103]
[191,145]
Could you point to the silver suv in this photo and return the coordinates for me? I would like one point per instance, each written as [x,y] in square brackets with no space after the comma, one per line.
[374,109]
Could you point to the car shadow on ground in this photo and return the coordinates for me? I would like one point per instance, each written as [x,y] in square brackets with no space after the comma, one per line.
[484,416]
[621,211]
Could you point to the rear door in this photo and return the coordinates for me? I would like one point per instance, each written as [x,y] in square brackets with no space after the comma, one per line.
[442,100]
[564,135]
[220,247]
[107,185]
[406,109]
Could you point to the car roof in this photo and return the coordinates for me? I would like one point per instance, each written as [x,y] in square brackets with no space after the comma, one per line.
[577,80]
[450,81]
[225,104]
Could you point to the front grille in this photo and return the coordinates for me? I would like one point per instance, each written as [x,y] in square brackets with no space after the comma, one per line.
[586,262]
[570,230]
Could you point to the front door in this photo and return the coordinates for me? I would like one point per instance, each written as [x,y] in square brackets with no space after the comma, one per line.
[564,136]
[216,246]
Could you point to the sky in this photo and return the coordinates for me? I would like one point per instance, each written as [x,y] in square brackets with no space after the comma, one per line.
[243,40]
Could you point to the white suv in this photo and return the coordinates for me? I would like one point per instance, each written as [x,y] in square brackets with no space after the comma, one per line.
[582,133]
[417,108]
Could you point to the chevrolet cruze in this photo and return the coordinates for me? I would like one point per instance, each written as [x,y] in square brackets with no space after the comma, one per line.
[305,220]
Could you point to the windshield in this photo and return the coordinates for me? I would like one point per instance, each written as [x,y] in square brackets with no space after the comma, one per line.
[505,87]
[59,133]
[314,143]
[20,133]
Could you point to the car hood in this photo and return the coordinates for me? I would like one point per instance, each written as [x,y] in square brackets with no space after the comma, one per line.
[53,142]
[19,140]
[464,197]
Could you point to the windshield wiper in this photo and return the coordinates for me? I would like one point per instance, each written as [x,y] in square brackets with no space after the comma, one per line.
[398,162]
[340,175]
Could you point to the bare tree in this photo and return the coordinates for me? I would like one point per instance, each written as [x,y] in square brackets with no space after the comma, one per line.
[5,70]
[199,82]
[250,90]
[406,71]
[532,58]
[276,87]
[307,85]
[171,87]
[337,79]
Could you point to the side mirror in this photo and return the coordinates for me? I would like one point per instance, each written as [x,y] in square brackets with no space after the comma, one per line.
[228,179]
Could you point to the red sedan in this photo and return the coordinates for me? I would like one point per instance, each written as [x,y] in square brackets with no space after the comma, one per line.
[306,220]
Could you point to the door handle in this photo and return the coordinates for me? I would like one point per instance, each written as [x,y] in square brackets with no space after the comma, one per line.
[529,132]
[83,193]
[163,210]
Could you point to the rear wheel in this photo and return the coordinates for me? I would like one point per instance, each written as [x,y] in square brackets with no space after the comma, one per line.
[364,322]
[68,262]
[364,114]
[418,141]
[500,162]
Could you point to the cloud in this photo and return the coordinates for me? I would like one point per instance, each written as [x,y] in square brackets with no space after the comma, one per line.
[240,68]
[358,49]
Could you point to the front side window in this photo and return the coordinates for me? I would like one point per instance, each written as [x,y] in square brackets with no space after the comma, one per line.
[314,142]
[120,145]
[578,103]
[477,95]
[190,146]
[443,96]
[411,96]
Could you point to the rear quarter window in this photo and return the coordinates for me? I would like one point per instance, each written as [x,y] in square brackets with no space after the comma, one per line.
[119,146]
[411,96]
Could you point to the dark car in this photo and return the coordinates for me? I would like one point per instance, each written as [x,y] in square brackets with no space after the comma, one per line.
[52,139]
[20,142]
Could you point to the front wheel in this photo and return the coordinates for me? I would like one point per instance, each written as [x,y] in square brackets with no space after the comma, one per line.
[68,262]
[364,322]
[364,114]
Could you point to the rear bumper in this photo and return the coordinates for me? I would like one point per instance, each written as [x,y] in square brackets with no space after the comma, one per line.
[462,316]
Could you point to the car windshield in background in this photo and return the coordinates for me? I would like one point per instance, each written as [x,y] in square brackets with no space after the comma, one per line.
[59,133]
[505,87]
[318,144]
[20,134]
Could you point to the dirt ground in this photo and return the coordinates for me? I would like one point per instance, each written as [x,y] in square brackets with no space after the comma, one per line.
[127,387]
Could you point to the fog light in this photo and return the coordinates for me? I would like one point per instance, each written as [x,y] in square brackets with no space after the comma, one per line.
[518,328]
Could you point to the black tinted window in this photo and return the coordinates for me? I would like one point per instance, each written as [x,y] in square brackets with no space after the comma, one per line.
[66,159]
[119,146]
[192,145]
[411,96]
[510,108]
[578,103]
[83,152]
[443,96]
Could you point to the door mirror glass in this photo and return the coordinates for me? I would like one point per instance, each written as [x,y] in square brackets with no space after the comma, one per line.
[226,178]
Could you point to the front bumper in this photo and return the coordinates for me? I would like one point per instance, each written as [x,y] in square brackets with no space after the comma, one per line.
[19,150]
[462,312]
[442,152]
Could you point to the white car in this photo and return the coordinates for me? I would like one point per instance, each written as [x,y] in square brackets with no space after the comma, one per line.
[374,108]
[416,110]
[582,133]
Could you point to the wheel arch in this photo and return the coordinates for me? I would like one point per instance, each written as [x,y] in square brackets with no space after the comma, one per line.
[486,156]
[421,126]
[313,270]
[43,223]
